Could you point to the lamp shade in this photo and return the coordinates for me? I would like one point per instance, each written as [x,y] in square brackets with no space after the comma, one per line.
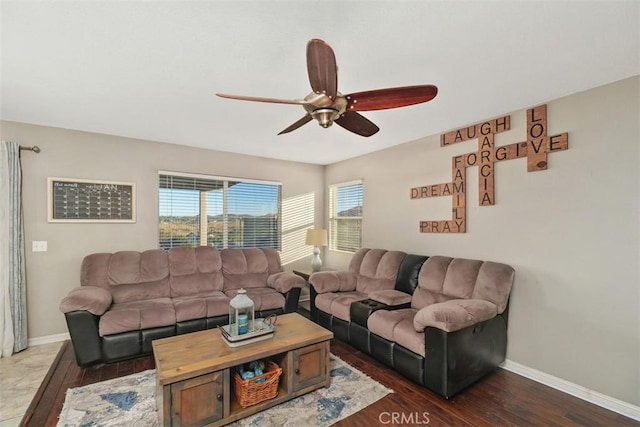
[316,237]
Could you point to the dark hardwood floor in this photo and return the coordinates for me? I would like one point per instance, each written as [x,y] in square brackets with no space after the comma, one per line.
[502,399]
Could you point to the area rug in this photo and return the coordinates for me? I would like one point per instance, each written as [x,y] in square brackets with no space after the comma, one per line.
[130,401]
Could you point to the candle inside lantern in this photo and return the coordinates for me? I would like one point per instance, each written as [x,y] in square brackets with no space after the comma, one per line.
[241,313]
[243,324]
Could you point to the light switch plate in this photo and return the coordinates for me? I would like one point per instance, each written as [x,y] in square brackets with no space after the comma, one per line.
[39,246]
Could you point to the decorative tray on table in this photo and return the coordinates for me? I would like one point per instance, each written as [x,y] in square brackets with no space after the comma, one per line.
[262,330]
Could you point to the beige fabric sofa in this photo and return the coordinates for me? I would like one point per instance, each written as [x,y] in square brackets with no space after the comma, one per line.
[443,325]
[127,299]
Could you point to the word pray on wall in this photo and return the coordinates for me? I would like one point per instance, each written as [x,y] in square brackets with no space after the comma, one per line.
[535,149]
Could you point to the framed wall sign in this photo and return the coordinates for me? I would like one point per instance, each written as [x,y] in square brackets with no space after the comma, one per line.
[81,200]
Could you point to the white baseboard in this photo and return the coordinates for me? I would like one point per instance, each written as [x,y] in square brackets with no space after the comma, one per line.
[48,339]
[615,405]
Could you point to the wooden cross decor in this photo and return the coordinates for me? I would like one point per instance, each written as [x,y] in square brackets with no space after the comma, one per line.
[535,149]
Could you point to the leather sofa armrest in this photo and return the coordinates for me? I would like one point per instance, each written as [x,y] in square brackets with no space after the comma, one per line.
[454,314]
[333,281]
[93,299]
[284,281]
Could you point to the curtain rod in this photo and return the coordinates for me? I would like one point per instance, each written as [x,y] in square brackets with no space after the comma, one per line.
[35,148]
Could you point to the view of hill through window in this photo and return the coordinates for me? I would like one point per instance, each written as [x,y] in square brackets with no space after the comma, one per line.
[234,213]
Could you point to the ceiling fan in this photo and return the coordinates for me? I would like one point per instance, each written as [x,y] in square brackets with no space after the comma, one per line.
[327,105]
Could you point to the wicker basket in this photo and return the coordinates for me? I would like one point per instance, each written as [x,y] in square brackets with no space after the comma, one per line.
[249,392]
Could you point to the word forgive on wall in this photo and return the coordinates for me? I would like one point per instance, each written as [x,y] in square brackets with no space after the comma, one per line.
[535,149]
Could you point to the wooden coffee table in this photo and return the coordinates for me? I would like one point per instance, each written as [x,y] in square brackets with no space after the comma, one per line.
[194,371]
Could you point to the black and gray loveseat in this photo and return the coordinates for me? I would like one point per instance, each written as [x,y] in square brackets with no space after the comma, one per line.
[439,321]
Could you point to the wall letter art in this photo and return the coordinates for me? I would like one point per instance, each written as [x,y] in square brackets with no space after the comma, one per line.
[536,147]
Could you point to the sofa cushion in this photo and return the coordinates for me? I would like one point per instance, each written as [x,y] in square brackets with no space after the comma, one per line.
[273,260]
[128,275]
[198,284]
[431,282]
[195,271]
[263,298]
[136,315]
[494,284]
[397,326]
[244,268]
[378,269]
[333,281]
[184,261]
[443,278]
[339,303]
[93,270]
[461,277]
[199,307]
[140,291]
[127,267]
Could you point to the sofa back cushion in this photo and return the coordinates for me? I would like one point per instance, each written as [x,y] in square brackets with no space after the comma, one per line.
[375,269]
[249,268]
[195,271]
[444,278]
[128,275]
[407,280]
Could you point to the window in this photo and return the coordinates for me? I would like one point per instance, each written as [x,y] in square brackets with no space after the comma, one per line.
[345,216]
[200,210]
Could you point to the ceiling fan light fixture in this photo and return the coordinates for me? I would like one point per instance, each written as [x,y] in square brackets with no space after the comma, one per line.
[327,105]
[325,116]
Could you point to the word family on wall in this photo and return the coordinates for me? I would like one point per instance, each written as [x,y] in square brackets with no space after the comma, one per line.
[536,148]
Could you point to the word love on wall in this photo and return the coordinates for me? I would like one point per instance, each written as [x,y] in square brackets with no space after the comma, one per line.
[536,148]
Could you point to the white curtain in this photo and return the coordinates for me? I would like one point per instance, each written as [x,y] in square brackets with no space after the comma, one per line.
[13,290]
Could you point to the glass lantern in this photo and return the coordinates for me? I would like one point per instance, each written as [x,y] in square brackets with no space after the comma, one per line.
[241,314]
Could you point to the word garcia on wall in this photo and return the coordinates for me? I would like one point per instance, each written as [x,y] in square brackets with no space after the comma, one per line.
[535,149]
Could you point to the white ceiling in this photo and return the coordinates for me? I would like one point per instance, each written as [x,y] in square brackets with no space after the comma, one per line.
[149,69]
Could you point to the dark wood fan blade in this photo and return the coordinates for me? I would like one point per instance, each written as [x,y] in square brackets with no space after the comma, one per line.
[303,121]
[357,123]
[322,68]
[382,99]
[271,100]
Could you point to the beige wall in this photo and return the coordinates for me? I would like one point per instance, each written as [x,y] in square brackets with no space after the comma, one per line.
[51,274]
[571,232]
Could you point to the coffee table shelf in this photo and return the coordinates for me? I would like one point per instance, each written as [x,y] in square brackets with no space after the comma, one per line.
[193,371]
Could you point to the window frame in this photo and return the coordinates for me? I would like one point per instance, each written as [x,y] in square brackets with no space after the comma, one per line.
[334,218]
[203,228]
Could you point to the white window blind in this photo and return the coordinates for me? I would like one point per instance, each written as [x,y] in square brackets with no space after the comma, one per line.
[345,216]
[200,210]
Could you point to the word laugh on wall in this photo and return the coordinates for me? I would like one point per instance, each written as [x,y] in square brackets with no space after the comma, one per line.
[535,149]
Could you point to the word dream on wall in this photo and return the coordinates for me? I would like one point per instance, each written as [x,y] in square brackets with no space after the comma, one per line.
[536,148]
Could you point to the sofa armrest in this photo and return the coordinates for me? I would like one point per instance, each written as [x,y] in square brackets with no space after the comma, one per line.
[83,331]
[93,299]
[454,314]
[284,281]
[390,297]
[333,281]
